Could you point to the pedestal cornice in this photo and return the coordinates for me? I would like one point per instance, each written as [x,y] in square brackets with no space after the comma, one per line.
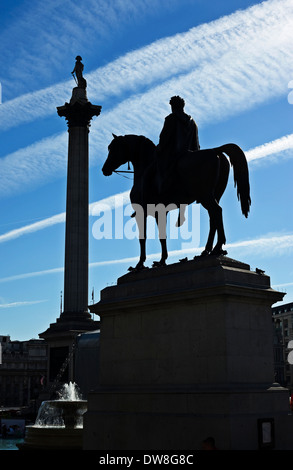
[190,281]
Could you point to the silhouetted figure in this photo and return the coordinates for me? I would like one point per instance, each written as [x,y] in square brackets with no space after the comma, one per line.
[78,70]
[179,133]
[178,136]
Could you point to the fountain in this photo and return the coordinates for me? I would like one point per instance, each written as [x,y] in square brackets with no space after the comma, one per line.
[59,423]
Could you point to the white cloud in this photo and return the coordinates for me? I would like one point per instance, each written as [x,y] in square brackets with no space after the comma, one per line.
[41,36]
[285,284]
[21,304]
[36,226]
[221,69]
[278,147]
[34,164]
[275,147]
[18,277]
[271,245]
[109,202]
[247,39]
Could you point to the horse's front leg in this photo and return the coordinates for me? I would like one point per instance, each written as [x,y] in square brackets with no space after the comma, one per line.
[140,217]
[161,220]
[164,254]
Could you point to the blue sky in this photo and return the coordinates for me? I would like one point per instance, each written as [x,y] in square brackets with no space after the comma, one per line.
[231,61]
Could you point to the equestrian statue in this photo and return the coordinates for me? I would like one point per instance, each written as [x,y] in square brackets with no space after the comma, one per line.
[176,173]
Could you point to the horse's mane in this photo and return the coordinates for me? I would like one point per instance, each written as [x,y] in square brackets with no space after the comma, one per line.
[147,146]
[144,139]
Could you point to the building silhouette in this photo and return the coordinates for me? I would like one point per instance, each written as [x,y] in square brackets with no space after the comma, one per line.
[23,368]
[282,316]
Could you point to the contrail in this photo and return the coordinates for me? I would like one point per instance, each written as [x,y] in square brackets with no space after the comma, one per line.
[222,68]
[275,245]
[109,202]
[276,147]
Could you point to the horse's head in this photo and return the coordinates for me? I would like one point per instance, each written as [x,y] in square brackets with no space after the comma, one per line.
[116,156]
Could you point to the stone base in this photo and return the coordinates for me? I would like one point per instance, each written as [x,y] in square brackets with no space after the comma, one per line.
[61,338]
[70,324]
[186,352]
[176,419]
[52,438]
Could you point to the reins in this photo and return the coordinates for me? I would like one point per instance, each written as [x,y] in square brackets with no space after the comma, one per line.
[118,173]
[124,171]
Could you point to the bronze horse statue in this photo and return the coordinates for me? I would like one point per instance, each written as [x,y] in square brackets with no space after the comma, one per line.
[200,176]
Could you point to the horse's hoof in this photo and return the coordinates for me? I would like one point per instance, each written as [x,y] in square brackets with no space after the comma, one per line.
[137,268]
[204,253]
[157,264]
[219,252]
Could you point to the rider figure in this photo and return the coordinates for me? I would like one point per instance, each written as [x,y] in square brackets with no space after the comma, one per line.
[179,134]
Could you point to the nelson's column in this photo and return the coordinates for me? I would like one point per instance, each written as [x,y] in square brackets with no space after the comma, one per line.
[75,317]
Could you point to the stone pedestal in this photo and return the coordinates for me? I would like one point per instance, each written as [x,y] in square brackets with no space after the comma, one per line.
[186,352]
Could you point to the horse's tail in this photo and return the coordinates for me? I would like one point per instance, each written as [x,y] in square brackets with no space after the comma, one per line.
[241,176]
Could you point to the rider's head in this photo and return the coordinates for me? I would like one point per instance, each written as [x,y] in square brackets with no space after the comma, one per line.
[78,58]
[177,103]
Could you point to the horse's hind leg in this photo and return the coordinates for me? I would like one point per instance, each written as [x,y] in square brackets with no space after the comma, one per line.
[216,225]
[210,241]
[219,191]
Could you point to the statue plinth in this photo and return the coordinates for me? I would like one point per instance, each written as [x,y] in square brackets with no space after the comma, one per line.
[186,351]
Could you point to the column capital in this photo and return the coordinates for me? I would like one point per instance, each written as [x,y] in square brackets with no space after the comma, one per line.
[79,111]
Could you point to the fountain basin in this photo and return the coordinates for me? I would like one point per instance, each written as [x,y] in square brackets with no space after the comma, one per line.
[52,438]
[60,413]
[59,424]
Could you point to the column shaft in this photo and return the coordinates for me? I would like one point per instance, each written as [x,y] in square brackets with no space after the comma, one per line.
[76,237]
